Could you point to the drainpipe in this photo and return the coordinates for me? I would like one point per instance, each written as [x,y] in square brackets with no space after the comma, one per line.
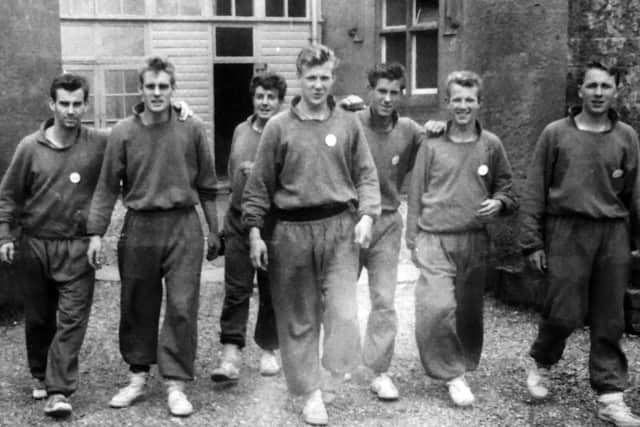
[314,21]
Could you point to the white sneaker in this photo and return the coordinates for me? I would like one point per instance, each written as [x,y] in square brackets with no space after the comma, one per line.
[38,389]
[179,405]
[57,406]
[229,368]
[126,396]
[269,363]
[384,388]
[314,412]
[460,392]
[538,382]
[613,409]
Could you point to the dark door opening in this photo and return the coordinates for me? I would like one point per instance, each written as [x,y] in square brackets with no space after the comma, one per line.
[232,105]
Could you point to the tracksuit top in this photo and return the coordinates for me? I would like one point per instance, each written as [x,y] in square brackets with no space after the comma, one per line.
[46,189]
[304,163]
[580,173]
[450,180]
[162,166]
[243,150]
[393,150]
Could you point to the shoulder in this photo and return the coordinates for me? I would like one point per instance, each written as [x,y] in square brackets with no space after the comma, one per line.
[626,130]
[98,135]
[27,144]
[491,139]
[557,126]
[123,127]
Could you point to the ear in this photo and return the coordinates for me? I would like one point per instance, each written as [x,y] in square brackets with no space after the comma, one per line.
[52,104]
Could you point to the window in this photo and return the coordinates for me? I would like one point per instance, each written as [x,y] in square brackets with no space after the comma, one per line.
[409,35]
[120,93]
[234,41]
[85,41]
[178,7]
[102,7]
[233,7]
[286,8]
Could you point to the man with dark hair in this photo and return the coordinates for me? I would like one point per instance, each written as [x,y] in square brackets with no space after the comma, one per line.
[166,169]
[46,191]
[312,168]
[460,181]
[267,91]
[580,208]
[393,142]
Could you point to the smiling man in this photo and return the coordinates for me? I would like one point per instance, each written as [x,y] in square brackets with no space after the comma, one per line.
[47,191]
[461,181]
[315,173]
[581,202]
[166,168]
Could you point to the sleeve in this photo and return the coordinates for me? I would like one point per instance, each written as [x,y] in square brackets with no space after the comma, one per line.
[12,190]
[261,184]
[502,185]
[632,188]
[111,173]
[417,186]
[534,196]
[365,175]
[417,134]
[206,180]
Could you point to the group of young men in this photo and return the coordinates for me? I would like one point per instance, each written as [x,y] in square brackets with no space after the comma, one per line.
[315,198]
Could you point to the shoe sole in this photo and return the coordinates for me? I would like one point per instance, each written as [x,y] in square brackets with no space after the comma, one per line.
[269,373]
[608,419]
[316,422]
[58,413]
[222,378]
[134,401]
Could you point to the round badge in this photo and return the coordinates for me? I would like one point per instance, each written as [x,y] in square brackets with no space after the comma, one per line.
[483,170]
[395,160]
[74,177]
[330,140]
[617,173]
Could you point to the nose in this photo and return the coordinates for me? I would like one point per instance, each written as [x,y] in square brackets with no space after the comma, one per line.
[387,97]
[598,91]
[71,109]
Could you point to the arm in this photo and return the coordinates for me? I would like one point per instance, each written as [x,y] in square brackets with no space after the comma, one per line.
[501,185]
[206,182]
[408,158]
[632,188]
[417,187]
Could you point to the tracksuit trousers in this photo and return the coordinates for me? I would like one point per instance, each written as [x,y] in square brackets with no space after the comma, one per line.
[381,262]
[449,301]
[588,267]
[313,267]
[58,287]
[238,288]
[156,246]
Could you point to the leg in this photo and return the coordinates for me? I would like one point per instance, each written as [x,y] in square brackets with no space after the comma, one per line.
[266,335]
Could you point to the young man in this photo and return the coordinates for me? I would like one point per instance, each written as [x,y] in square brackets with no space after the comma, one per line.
[581,197]
[312,167]
[267,92]
[47,192]
[393,142]
[162,236]
[460,181]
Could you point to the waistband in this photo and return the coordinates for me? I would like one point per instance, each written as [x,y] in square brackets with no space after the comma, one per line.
[311,213]
[154,212]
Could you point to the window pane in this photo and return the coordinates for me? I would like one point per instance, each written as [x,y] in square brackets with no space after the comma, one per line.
[121,40]
[113,81]
[427,59]
[223,7]
[190,7]
[77,41]
[109,7]
[131,81]
[64,7]
[114,107]
[396,12]
[134,7]
[426,11]
[129,102]
[234,42]
[82,7]
[167,7]
[297,8]
[244,7]
[395,48]
[274,7]
[89,115]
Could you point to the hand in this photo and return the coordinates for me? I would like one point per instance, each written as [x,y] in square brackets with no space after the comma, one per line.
[7,251]
[184,110]
[257,250]
[94,253]
[489,208]
[435,127]
[362,231]
[538,260]
[213,246]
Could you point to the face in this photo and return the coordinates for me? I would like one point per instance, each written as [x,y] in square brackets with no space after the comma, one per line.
[463,104]
[598,91]
[68,107]
[156,91]
[385,96]
[265,102]
[316,82]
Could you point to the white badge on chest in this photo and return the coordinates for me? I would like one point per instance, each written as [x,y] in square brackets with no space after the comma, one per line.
[483,170]
[74,177]
[617,173]
[395,160]
[330,140]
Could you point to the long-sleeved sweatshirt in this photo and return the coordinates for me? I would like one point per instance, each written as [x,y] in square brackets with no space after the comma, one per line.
[580,173]
[244,145]
[47,190]
[450,181]
[393,150]
[162,166]
[303,163]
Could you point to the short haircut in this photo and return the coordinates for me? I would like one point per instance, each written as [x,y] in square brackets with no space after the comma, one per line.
[69,82]
[391,71]
[613,71]
[269,81]
[465,78]
[158,64]
[313,55]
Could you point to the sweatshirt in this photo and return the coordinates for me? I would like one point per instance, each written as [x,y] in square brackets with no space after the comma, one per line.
[242,154]
[580,173]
